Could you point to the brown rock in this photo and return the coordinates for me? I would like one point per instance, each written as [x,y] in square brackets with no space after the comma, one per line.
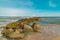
[36,27]
[27,27]
[15,34]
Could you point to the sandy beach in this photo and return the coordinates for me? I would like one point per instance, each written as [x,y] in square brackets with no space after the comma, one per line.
[48,31]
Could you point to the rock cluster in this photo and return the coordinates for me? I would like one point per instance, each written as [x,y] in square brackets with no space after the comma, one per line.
[17,29]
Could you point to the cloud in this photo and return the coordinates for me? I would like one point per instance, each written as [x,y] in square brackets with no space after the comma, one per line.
[52,4]
[27,12]
[16,12]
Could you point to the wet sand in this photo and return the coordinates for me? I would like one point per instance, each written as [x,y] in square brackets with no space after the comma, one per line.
[47,32]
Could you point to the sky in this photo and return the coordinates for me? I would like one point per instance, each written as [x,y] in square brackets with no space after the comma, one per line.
[30,8]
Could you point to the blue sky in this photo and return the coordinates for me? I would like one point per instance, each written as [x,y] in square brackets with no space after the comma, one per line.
[29,7]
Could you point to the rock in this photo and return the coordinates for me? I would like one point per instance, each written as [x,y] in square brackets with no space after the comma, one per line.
[27,27]
[15,29]
[12,25]
[28,20]
[36,27]
[6,31]
[15,34]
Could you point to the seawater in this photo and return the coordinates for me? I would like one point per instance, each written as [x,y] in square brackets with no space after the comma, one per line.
[49,20]
[43,20]
[5,19]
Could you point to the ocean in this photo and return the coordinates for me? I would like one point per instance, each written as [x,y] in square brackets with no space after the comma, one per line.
[43,20]
[5,19]
[49,20]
